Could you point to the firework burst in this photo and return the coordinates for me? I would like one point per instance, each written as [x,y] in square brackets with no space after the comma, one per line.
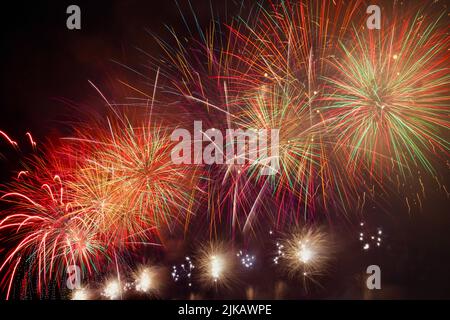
[129,184]
[113,290]
[48,234]
[389,98]
[149,279]
[215,266]
[81,294]
[306,253]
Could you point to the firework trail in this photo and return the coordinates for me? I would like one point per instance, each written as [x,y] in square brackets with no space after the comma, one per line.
[8,139]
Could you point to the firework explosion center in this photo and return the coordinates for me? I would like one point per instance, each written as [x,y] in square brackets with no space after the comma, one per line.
[252,146]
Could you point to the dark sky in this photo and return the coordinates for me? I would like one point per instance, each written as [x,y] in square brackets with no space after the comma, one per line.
[44,63]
